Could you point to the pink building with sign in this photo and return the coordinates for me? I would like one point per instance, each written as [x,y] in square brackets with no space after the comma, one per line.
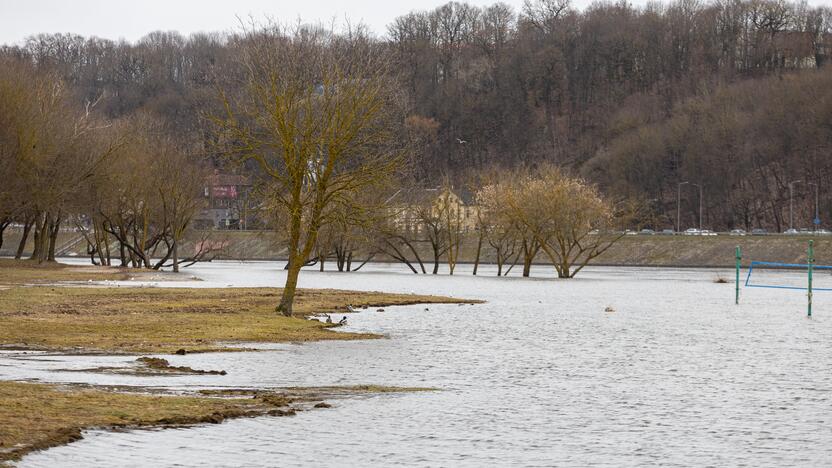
[226,202]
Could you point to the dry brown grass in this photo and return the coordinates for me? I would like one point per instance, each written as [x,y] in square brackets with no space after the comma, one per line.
[37,416]
[159,320]
[19,272]
[164,320]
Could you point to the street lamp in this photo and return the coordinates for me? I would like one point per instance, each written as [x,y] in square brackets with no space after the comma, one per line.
[791,203]
[816,221]
[700,205]
[678,205]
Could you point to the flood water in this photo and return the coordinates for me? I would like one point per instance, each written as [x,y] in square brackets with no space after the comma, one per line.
[540,375]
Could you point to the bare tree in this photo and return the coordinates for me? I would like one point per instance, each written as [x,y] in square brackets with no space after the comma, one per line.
[314,110]
[569,219]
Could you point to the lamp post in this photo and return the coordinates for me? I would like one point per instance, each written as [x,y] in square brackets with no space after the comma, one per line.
[791,203]
[700,205]
[678,206]
[816,221]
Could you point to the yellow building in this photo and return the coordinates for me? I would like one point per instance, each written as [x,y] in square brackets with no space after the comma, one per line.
[414,210]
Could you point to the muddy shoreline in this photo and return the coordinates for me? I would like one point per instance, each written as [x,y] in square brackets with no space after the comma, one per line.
[247,403]
[41,313]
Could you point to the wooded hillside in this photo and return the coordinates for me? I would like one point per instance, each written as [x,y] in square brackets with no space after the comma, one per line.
[730,94]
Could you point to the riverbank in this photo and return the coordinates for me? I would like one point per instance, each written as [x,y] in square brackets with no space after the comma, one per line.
[39,416]
[132,320]
[42,307]
[27,272]
[170,320]
[636,250]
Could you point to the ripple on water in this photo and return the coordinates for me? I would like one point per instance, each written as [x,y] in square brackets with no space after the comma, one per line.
[540,375]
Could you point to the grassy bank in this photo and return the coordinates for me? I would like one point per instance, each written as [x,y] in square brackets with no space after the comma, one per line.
[38,416]
[162,320]
[19,272]
[713,251]
[657,250]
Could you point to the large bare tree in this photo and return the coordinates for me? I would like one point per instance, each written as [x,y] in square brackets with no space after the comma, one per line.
[317,112]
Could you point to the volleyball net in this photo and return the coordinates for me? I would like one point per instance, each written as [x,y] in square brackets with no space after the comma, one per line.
[776,275]
[809,277]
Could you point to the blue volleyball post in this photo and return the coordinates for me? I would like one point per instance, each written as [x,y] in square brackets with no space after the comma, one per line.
[811,255]
[738,254]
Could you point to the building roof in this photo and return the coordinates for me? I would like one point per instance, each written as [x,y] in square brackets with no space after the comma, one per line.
[424,196]
[219,179]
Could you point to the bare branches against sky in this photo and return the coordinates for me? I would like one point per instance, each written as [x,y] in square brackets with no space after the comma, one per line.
[132,19]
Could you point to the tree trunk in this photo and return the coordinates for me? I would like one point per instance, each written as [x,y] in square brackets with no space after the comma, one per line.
[477,258]
[529,252]
[563,272]
[41,239]
[513,262]
[27,227]
[97,249]
[54,229]
[288,297]
[175,256]
[92,251]
[436,256]
[123,254]
[36,242]
[527,266]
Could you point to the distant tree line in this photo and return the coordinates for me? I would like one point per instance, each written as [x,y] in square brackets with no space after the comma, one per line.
[730,95]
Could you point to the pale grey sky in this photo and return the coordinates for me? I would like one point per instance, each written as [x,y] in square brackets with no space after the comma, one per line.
[131,20]
[115,19]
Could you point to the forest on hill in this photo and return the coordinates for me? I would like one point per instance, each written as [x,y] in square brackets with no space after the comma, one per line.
[731,95]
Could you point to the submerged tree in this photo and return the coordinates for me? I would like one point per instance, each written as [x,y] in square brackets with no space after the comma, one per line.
[318,113]
[569,218]
[564,217]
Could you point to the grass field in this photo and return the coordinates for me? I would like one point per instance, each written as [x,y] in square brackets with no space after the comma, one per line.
[165,320]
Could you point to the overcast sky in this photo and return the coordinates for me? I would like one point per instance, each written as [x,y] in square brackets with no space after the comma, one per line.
[115,19]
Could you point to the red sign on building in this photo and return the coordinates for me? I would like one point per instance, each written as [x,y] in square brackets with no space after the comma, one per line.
[224,191]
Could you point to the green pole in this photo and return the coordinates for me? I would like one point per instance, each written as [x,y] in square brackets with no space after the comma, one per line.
[738,253]
[811,267]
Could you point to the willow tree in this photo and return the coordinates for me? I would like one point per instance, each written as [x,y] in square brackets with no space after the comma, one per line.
[318,113]
[497,225]
[569,218]
[47,151]
[564,217]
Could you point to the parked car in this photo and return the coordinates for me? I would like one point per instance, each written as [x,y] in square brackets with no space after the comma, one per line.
[668,232]
[692,232]
[706,232]
[759,232]
[738,232]
[647,232]
[791,232]
[823,232]
[629,232]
